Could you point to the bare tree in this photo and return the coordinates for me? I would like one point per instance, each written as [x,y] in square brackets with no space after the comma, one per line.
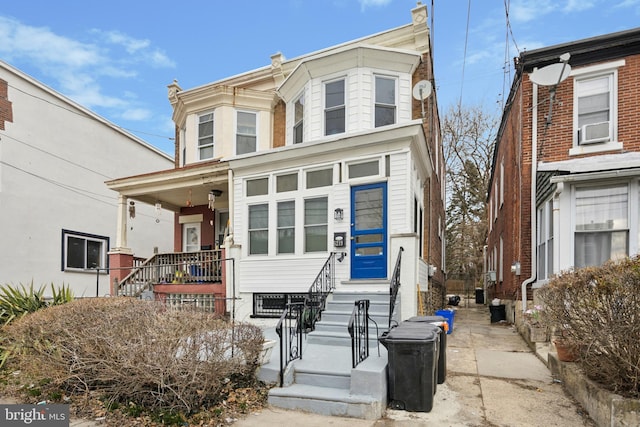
[468,137]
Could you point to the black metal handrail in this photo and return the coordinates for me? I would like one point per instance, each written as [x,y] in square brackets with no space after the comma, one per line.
[359,332]
[289,329]
[320,289]
[394,285]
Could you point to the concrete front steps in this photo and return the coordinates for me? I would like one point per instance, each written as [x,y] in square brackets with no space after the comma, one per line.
[323,381]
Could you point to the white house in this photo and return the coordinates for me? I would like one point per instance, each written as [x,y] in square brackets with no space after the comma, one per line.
[279,167]
[56,213]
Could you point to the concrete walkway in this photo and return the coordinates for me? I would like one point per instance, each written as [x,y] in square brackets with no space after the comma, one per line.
[493,379]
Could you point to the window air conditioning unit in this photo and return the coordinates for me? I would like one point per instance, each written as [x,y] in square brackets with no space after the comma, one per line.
[491,276]
[594,132]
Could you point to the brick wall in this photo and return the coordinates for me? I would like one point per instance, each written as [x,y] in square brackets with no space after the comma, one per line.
[279,124]
[6,111]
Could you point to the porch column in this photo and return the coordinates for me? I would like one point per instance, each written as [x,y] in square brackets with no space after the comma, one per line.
[120,256]
[121,227]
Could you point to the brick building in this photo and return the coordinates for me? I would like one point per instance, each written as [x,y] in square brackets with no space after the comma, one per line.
[564,188]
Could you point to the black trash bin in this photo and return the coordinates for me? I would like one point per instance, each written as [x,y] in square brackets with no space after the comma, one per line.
[498,313]
[412,353]
[479,296]
[441,322]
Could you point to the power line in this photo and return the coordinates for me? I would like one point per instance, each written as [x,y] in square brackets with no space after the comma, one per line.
[76,190]
[464,58]
[85,116]
[58,157]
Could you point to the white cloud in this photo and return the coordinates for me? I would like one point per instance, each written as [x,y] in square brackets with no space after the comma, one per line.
[578,5]
[81,67]
[373,3]
[529,10]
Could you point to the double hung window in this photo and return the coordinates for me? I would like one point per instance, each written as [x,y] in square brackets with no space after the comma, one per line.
[298,120]
[315,224]
[246,136]
[385,108]
[205,136]
[335,109]
[259,229]
[545,240]
[594,101]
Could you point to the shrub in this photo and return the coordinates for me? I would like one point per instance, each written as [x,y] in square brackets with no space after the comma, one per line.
[136,353]
[18,301]
[598,309]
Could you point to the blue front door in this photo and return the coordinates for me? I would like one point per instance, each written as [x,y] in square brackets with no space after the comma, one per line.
[369,231]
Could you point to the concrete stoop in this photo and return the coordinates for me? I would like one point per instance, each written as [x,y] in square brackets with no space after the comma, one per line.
[323,380]
[604,407]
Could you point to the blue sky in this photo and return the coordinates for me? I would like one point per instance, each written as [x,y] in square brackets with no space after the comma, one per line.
[117,57]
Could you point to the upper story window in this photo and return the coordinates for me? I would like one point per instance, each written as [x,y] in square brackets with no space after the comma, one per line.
[385,106]
[205,136]
[334,107]
[246,135]
[298,120]
[594,96]
[595,112]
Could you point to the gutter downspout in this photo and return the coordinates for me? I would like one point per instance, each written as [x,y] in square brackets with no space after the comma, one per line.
[534,161]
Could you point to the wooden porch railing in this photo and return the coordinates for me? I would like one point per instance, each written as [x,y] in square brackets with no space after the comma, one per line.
[177,267]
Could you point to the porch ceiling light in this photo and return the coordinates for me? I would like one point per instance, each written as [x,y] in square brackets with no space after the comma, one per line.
[212,197]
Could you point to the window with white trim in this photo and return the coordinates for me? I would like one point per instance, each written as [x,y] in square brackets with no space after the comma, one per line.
[298,120]
[545,240]
[82,251]
[594,98]
[315,224]
[385,101]
[246,135]
[334,107]
[205,136]
[259,229]
[286,227]
[601,224]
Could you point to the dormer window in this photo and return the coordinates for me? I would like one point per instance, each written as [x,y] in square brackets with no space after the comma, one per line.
[385,109]
[334,107]
[246,136]
[298,126]
[205,136]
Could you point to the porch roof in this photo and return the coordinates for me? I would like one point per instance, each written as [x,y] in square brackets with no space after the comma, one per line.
[173,187]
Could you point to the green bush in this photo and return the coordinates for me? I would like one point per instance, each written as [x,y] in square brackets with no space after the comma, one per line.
[15,302]
[598,310]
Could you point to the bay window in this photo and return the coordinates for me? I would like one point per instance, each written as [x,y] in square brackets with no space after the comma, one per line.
[335,110]
[385,104]
[205,136]
[246,136]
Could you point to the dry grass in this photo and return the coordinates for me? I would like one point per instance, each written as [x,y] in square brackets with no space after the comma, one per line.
[136,356]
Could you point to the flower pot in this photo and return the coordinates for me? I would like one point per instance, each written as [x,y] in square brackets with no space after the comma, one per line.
[566,351]
[538,333]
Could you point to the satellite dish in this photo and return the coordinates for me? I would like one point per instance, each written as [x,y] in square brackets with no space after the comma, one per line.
[553,74]
[422,90]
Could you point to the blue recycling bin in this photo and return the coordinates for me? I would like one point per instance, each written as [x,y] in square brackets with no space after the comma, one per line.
[449,315]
